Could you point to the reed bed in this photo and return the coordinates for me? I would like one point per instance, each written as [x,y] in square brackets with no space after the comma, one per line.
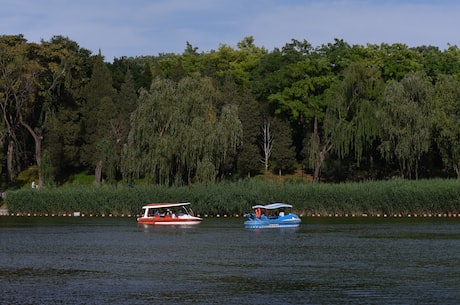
[394,197]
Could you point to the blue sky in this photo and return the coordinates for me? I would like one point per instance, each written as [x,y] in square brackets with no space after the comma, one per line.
[149,27]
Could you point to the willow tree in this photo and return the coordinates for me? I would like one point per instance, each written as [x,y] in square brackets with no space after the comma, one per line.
[405,122]
[178,135]
[350,123]
[446,118]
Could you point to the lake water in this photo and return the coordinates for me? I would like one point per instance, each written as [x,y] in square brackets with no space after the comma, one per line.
[82,260]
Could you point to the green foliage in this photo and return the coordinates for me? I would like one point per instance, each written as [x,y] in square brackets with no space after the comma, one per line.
[251,116]
[405,119]
[350,120]
[81,179]
[178,135]
[283,153]
[446,118]
[392,197]
[398,60]
[340,100]
[237,64]
[99,118]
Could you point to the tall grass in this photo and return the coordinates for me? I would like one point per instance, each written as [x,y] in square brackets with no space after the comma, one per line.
[382,197]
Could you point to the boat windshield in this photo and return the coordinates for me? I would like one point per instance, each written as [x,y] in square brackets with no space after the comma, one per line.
[188,210]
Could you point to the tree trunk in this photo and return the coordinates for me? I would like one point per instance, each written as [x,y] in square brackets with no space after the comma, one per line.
[318,163]
[98,173]
[267,144]
[10,161]
[319,153]
[37,136]
[38,159]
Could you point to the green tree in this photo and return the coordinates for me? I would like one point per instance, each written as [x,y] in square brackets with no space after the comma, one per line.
[398,60]
[297,92]
[138,67]
[446,118]
[33,77]
[63,141]
[178,135]
[99,122]
[238,63]
[62,136]
[250,114]
[125,103]
[18,79]
[404,116]
[438,63]
[350,121]
[283,153]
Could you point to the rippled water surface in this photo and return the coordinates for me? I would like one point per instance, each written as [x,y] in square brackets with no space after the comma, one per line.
[64,260]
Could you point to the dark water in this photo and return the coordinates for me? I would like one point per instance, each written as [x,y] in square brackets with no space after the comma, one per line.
[326,261]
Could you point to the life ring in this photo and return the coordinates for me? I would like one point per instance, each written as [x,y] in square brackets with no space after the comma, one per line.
[258,213]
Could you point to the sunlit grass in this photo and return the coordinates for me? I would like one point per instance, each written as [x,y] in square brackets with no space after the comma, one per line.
[371,198]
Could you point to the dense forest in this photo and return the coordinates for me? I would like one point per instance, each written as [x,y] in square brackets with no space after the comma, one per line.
[335,112]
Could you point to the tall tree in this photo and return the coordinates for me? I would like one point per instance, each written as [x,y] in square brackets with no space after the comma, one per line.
[446,118]
[99,122]
[178,135]
[405,122]
[33,76]
[249,152]
[283,152]
[305,76]
[62,136]
[350,121]
[398,60]
[18,78]
[238,63]
[125,104]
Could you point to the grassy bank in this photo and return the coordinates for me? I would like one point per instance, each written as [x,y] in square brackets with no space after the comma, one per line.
[372,198]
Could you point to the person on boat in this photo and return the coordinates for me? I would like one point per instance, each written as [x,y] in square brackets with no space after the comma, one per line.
[258,213]
[169,213]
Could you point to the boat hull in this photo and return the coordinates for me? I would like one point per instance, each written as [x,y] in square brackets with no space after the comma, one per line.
[169,221]
[275,223]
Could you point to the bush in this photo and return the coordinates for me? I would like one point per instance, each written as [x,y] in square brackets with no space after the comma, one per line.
[382,197]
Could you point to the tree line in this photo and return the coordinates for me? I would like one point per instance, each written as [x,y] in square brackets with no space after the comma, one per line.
[337,112]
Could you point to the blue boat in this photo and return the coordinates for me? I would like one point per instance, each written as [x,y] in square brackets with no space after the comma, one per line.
[275,215]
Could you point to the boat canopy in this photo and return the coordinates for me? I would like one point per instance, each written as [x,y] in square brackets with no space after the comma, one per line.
[165,205]
[272,206]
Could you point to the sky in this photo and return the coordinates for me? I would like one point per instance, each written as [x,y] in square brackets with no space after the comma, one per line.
[150,27]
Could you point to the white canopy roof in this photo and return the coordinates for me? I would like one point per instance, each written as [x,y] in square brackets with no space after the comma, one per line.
[165,205]
[272,206]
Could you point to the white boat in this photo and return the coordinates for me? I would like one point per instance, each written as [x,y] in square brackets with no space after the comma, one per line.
[178,213]
[275,215]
